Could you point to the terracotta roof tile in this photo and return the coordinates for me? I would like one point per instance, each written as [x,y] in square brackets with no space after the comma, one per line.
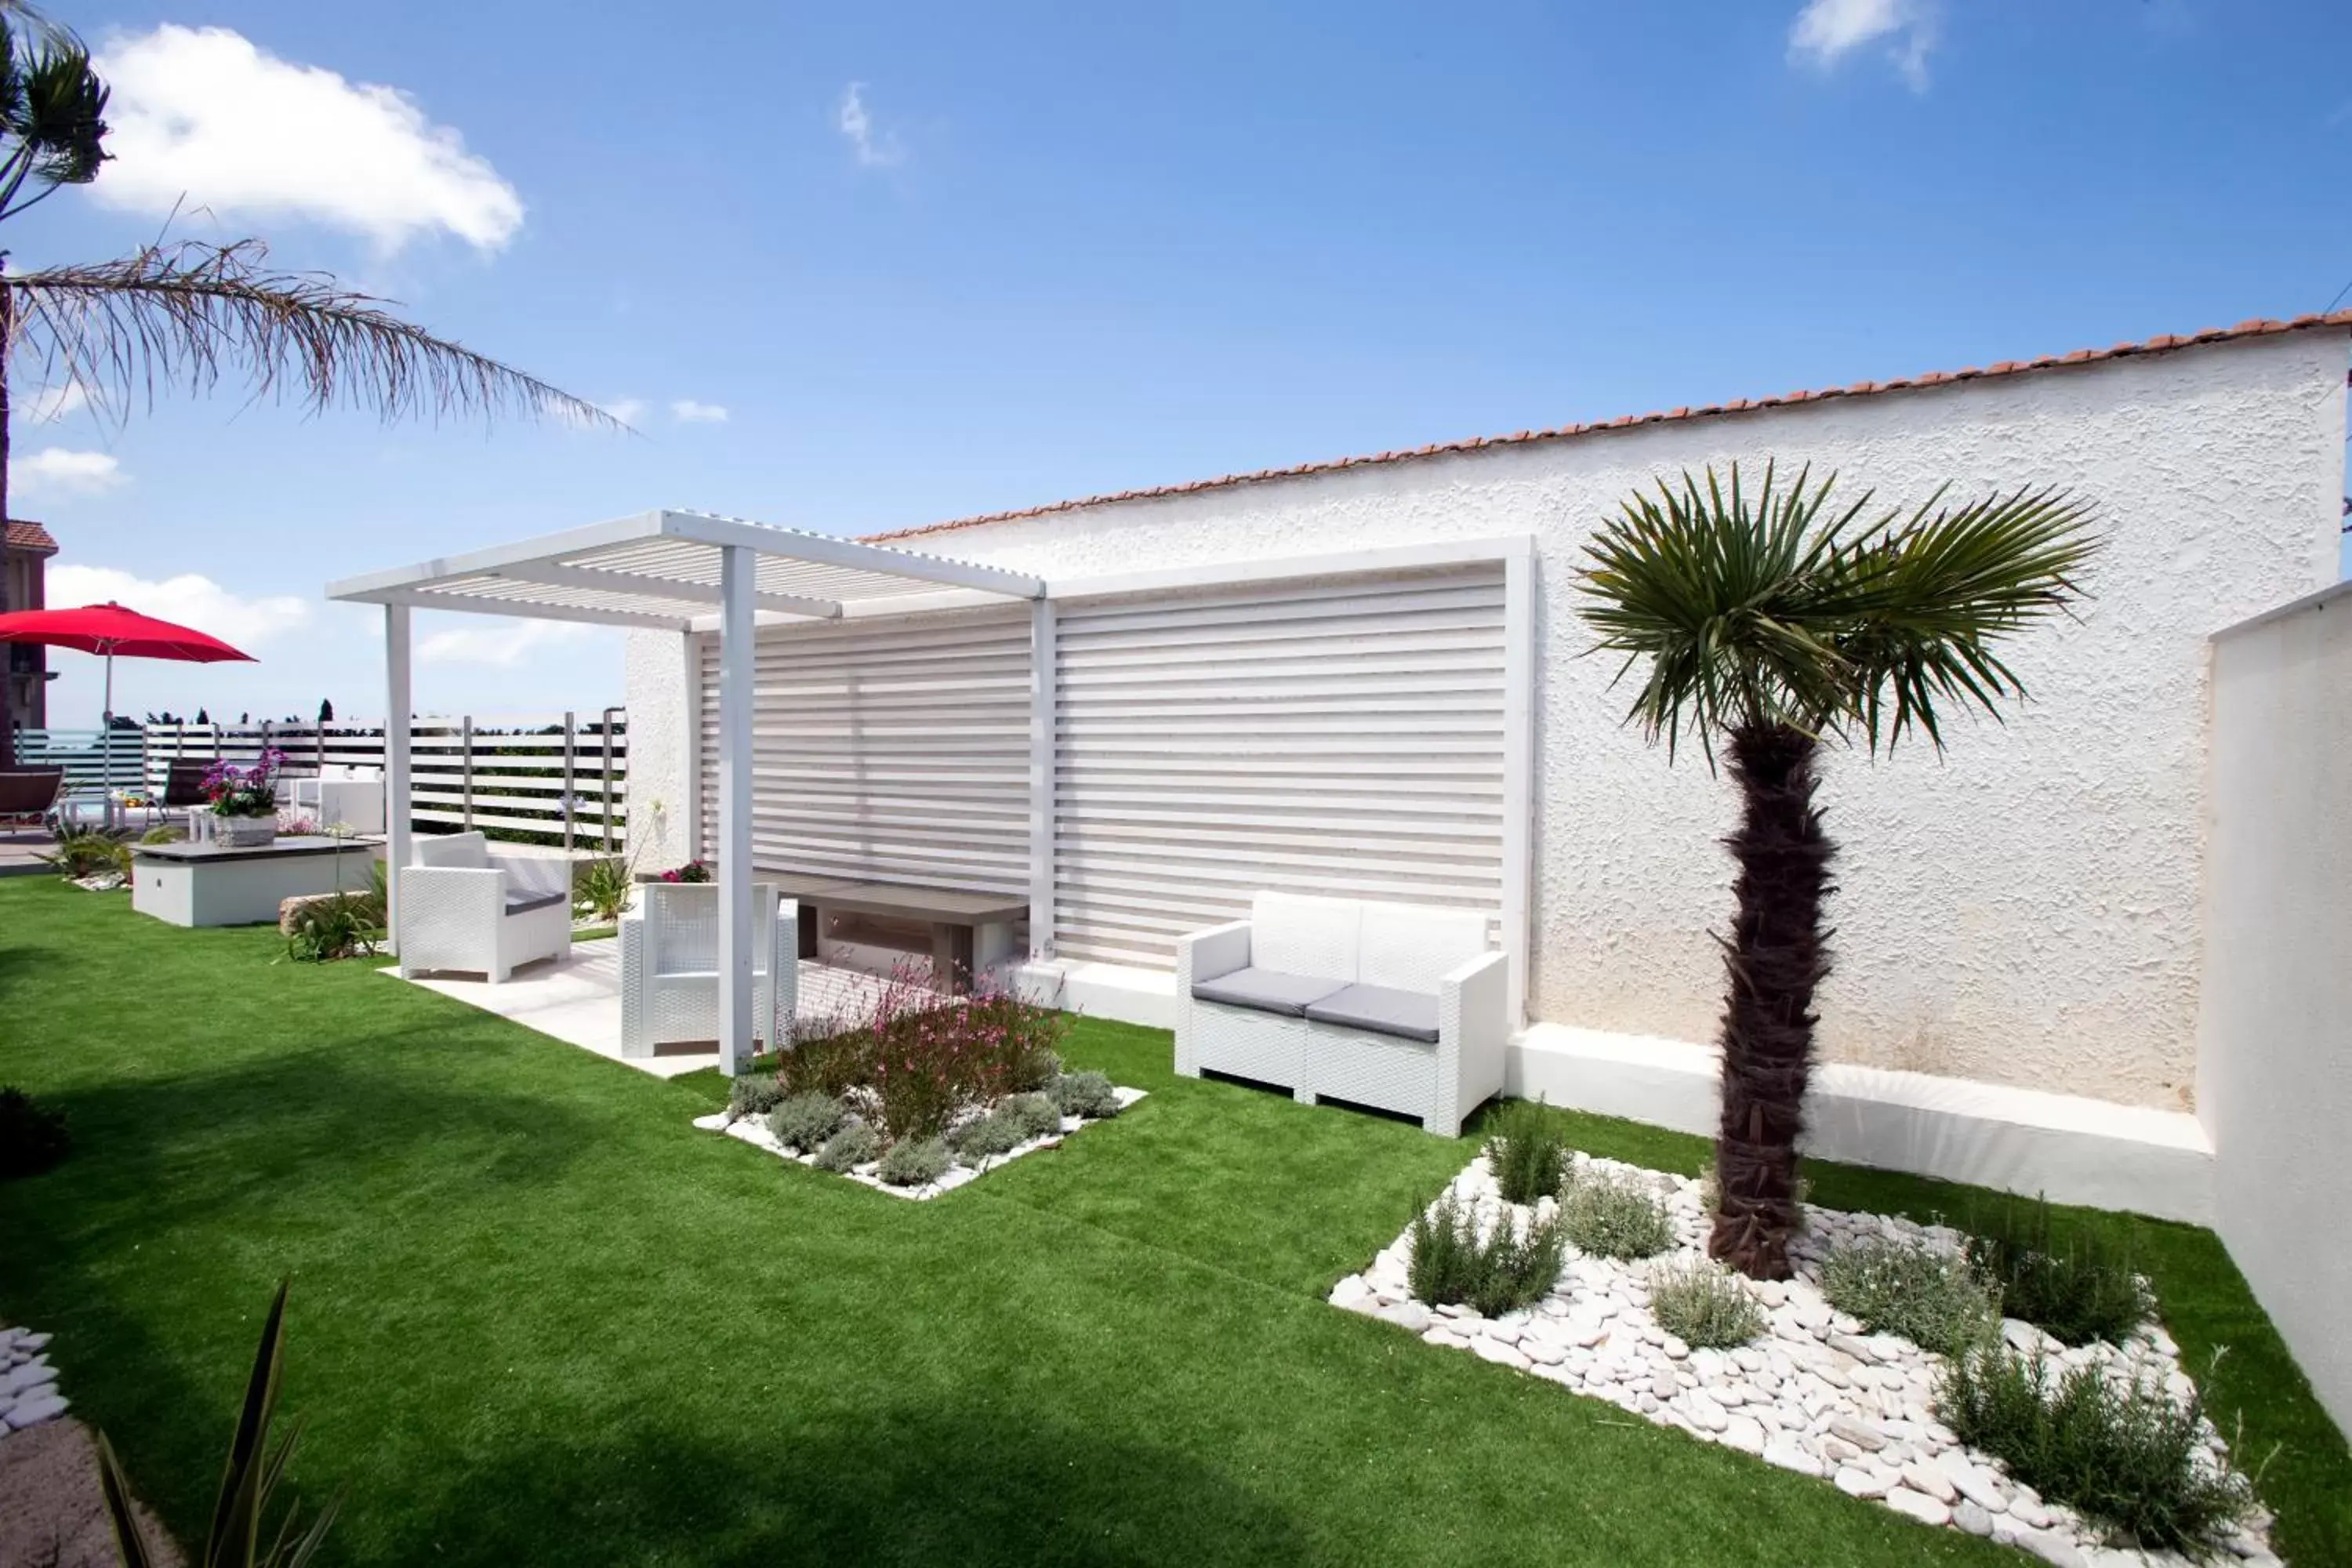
[24,535]
[2255,328]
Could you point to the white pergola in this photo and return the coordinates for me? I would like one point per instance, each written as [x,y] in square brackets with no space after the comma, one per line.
[677,571]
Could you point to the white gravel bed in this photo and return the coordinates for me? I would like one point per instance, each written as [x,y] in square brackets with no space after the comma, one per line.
[1811,1393]
[28,1384]
[754,1129]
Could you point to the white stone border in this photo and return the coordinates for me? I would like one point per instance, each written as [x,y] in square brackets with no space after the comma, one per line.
[28,1384]
[1811,1393]
[754,1129]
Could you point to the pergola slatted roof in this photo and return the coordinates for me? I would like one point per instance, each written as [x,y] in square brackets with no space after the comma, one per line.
[663,569]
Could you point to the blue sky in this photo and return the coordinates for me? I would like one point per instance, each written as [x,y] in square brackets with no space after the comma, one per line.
[936,259]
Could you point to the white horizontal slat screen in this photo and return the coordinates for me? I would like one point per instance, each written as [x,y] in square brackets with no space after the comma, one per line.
[893,749]
[1341,736]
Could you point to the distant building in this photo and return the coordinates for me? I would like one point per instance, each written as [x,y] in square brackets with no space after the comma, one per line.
[26,694]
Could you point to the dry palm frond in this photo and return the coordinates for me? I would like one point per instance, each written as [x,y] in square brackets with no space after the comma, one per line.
[171,314]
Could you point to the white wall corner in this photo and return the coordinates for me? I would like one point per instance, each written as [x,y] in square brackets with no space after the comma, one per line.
[656,667]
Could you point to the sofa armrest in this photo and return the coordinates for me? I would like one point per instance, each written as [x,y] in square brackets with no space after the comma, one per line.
[1472,1028]
[1206,955]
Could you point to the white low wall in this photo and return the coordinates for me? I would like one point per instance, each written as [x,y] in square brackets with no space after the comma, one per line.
[2274,1048]
[2071,1149]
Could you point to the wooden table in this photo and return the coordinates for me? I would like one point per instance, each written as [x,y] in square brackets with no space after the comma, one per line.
[217,885]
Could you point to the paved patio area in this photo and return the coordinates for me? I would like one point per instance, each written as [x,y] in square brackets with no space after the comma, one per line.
[578,1000]
[20,851]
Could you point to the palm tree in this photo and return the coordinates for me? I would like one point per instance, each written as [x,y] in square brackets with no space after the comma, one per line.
[177,314]
[1771,624]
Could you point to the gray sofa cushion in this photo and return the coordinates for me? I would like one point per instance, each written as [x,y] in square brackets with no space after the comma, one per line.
[1266,990]
[522,900]
[1408,1014]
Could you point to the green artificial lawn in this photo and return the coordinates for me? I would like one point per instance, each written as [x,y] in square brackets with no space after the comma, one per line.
[537,1316]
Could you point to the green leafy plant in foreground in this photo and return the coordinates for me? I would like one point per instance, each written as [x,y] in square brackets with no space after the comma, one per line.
[1613,1216]
[601,886]
[1086,1094]
[2123,1455]
[1932,1296]
[2077,1289]
[238,1537]
[1703,1306]
[86,852]
[33,1137]
[804,1121]
[1525,1150]
[913,1161]
[853,1145]
[1495,1272]
[344,926]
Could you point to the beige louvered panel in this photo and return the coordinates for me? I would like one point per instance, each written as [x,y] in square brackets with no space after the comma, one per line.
[1341,737]
[896,750]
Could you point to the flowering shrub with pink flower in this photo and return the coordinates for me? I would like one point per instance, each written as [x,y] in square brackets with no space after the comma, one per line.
[245,792]
[919,1060]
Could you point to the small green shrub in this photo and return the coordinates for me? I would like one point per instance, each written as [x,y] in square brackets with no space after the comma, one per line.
[804,1121]
[995,1133]
[164,833]
[601,888]
[2078,1289]
[1506,1269]
[912,1162]
[1611,1215]
[1086,1094]
[1932,1297]
[344,926]
[2123,1457]
[1703,1306]
[853,1145]
[87,852]
[833,1064]
[756,1094]
[33,1138]
[1036,1115]
[1525,1149]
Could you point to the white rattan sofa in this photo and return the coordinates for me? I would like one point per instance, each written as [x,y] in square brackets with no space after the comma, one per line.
[670,966]
[1390,1005]
[465,908]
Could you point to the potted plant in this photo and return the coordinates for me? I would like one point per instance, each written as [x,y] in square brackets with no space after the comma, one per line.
[245,800]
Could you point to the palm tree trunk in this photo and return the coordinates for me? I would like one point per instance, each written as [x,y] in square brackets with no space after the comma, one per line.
[1775,956]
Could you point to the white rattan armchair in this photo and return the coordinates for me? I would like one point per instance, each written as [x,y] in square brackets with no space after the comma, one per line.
[462,908]
[670,966]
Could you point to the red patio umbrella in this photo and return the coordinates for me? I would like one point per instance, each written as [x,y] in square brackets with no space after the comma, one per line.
[109,629]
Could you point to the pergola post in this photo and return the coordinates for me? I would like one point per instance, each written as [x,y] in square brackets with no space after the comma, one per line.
[395,763]
[738,649]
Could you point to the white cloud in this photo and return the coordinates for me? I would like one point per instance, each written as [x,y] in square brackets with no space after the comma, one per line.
[1826,31]
[201,116]
[189,599]
[48,404]
[687,411]
[857,123]
[502,644]
[58,471]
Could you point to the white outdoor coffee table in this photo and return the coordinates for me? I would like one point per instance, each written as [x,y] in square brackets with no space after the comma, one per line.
[215,885]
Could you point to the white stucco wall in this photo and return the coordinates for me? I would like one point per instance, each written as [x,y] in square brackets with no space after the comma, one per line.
[2274,1065]
[661,749]
[2025,910]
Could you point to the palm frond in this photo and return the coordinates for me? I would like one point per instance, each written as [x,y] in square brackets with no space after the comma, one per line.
[1783,607]
[171,315]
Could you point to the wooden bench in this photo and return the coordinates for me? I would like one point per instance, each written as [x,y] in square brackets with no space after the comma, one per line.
[956,917]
